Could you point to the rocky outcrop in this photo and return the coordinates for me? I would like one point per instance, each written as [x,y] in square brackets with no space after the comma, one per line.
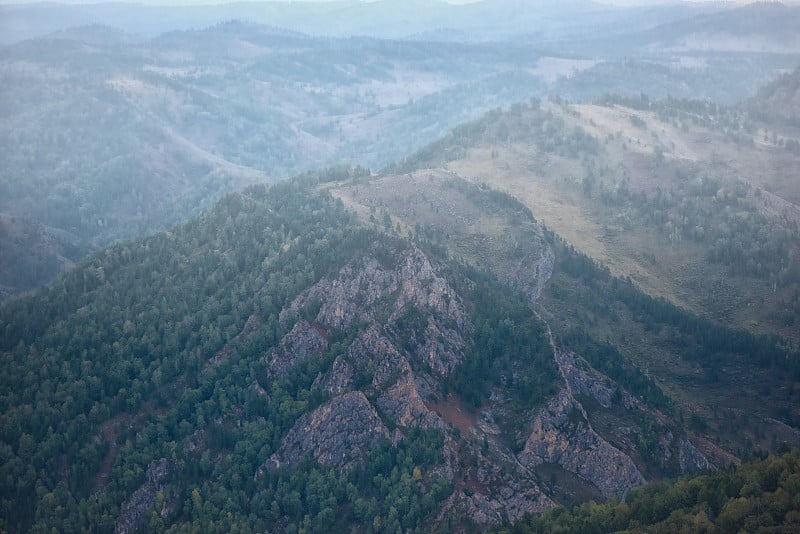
[379,287]
[404,405]
[583,379]
[135,511]
[375,358]
[339,380]
[509,502]
[690,459]
[303,341]
[562,435]
[411,325]
[440,349]
[338,433]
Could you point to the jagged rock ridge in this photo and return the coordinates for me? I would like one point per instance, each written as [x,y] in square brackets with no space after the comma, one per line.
[412,334]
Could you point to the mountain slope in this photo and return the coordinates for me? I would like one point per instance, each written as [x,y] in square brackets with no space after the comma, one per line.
[758,495]
[694,202]
[283,362]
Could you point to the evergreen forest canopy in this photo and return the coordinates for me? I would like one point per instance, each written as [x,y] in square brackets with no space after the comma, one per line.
[540,316]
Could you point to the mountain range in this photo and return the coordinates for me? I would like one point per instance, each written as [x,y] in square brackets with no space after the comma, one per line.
[256,279]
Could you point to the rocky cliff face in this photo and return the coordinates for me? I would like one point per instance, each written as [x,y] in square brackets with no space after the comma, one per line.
[412,332]
[593,429]
[303,341]
[392,365]
[135,511]
[337,433]
[563,435]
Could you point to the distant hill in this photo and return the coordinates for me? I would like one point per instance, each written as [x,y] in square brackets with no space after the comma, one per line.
[106,136]
[779,101]
[32,255]
[488,20]
[754,28]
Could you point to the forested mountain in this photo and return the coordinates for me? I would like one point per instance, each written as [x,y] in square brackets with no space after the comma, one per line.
[321,355]
[571,276]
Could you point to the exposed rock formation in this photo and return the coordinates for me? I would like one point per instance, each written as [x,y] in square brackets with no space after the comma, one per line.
[302,342]
[562,435]
[411,324]
[339,380]
[375,358]
[691,459]
[404,405]
[136,509]
[337,434]
[583,379]
[379,287]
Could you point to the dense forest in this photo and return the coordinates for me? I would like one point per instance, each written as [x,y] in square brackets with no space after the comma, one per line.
[133,369]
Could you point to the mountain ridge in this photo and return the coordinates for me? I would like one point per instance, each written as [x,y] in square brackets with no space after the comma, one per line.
[378,328]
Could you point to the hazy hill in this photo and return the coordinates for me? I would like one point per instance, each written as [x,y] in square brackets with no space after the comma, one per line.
[694,202]
[394,19]
[332,352]
[106,136]
[33,255]
[779,102]
[758,27]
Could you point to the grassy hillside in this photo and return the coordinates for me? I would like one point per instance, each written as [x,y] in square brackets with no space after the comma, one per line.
[695,203]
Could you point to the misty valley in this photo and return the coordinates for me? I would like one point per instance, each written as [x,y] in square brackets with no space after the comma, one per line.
[497,266]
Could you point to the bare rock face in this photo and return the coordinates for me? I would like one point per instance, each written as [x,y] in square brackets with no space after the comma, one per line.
[584,380]
[562,435]
[142,502]
[339,380]
[337,434]
[510,503]
[441,348]
[373,355]
[303,341]
[690,459]
[379,287]
[404,405]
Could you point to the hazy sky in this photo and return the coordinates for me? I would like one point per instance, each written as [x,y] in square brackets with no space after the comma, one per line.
[216,2]
[206,2]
